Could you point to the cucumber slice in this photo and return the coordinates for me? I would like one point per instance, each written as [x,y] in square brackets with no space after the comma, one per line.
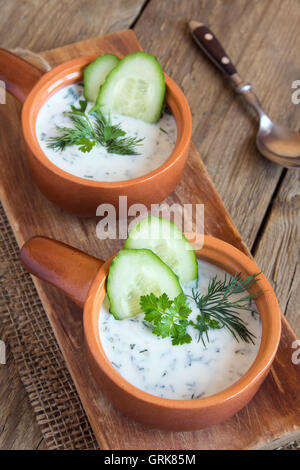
[134,273]
[95,74]
[136,88]
[167,241]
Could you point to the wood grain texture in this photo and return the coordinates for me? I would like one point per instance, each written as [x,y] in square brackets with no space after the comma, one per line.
[277,251]
[37,25]
[262,40]
[273,416]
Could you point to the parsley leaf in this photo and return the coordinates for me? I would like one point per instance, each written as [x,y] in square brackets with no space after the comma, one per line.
[170,318]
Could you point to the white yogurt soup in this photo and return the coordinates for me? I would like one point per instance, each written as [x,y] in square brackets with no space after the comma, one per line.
[182,372]
[98,164]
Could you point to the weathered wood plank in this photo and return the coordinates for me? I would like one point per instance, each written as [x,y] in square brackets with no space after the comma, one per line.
[277,251]
[38,25]
[262,38]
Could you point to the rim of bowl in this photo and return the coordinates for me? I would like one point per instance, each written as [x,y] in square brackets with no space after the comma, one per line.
[222,254]
[70,72]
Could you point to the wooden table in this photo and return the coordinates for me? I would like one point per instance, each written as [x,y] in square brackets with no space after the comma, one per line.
[262,38]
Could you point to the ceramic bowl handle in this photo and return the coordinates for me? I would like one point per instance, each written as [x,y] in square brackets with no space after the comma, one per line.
[65,267]
[18,75]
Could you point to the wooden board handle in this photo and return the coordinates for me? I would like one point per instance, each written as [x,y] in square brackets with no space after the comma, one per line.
[18,75]
[65,267]
[210,45]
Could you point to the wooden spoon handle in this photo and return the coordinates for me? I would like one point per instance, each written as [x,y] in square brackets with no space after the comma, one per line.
[65,267]
[210,45]
[18,75]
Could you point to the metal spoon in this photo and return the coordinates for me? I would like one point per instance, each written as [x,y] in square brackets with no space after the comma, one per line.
[275,142]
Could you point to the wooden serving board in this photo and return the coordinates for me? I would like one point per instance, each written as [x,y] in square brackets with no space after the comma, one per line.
[273,416]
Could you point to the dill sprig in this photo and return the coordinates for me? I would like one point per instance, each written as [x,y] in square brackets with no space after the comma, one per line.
[170,318]
[217,310]
[86,133]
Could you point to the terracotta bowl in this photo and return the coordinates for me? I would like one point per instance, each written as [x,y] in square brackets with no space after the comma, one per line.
[83,277]
[72,193]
